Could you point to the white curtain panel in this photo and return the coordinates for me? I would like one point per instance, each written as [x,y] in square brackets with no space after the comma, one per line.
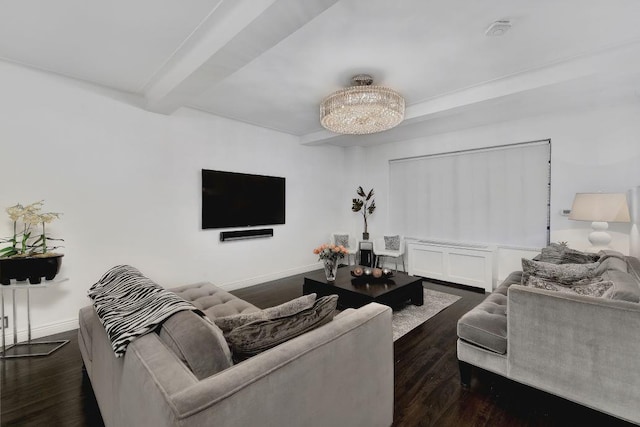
[494,196]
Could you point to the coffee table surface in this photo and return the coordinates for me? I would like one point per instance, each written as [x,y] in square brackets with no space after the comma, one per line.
[355,292]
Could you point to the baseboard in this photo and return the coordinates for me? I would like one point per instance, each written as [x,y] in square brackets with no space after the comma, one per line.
[42,331]
[268,277]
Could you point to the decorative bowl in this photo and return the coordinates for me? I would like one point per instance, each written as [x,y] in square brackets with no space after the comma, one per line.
[367,274]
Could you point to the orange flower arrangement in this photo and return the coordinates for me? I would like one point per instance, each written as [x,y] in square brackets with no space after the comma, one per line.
[332,252]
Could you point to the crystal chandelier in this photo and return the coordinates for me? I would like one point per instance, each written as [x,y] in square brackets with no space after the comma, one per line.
[362,108]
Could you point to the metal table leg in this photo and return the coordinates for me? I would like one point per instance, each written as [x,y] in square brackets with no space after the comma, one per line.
[4,349]
[29,348]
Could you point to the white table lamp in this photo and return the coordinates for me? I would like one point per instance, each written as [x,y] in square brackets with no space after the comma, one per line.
[600,208]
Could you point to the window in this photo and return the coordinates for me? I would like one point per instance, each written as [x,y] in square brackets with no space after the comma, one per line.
[497,195]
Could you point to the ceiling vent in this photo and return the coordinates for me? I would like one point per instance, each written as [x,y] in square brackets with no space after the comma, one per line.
[498,28]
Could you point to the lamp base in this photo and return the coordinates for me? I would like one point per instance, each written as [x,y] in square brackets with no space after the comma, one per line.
[599,238]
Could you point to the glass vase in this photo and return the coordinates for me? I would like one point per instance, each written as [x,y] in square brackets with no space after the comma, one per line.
[330,269]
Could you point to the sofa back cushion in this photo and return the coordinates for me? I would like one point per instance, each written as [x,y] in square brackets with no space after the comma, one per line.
[213,301]
[197,342]
[625,286]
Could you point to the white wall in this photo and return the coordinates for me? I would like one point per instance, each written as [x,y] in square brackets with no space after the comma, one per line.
[592,150]
[128,183]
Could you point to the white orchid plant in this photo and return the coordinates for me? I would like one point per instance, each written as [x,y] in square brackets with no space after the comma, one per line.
[22,243]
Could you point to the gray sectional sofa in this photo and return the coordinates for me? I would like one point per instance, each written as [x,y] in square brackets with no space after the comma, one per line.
[338,374]
[582,348]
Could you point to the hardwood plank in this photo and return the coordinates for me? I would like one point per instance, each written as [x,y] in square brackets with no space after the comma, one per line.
[51,391]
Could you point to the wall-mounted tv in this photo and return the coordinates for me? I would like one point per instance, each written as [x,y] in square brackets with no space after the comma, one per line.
[232,199]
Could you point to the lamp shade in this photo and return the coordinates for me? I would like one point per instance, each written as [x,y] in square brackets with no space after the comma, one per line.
[605,207]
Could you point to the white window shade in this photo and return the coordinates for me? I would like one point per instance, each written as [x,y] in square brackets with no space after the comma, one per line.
[495,196]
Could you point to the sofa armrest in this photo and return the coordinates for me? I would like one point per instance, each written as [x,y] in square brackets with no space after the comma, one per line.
[339,374]
[151,374]
[582,348]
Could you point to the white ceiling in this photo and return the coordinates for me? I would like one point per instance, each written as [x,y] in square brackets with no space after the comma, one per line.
[270,62]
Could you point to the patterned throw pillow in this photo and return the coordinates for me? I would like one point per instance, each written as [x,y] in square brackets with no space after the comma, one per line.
[594,289]
[256,337]
[341,240]
[568,274]
[392,243]
[228,323]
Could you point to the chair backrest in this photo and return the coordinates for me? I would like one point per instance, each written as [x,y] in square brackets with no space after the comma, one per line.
[380,243]
[351,240]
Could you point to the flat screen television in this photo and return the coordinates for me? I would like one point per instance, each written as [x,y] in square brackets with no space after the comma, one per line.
[232,199]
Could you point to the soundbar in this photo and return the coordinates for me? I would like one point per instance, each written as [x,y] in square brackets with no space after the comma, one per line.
[226,236]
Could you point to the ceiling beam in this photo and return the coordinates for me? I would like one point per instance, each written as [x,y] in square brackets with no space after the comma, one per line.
[234,34]
[623,59]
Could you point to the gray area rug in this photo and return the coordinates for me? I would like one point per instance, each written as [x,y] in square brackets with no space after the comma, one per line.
[412,316]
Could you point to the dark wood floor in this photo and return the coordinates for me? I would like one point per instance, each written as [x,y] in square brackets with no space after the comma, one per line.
[51,391]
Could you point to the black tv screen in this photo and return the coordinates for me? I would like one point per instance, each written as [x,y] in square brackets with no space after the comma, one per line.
[232,199]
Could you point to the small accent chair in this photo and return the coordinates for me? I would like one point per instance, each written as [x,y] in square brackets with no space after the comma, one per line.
[390,247]
[340,238]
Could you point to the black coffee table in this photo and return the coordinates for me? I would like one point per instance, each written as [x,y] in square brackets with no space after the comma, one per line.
[356,292]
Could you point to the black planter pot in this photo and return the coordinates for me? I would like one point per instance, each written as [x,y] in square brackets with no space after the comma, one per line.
[32,268]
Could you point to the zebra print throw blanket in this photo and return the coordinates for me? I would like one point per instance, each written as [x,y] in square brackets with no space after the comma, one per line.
[130,305]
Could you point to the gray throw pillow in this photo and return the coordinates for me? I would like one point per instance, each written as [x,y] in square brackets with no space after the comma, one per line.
[594,289]
[568,274]
[551,254]
[197,342]
[572,256]
[392,243]
[341,240]
[559,254]
[260,335]
[228,323]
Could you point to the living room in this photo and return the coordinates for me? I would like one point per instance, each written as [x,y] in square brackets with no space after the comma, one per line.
[117,144]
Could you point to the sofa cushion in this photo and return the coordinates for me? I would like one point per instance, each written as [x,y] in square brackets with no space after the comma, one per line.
[625,286]
[213,301]
[608,253]
[197,342]
[486,324]
[611,263]
[560,273]
[228,323]
[260,335]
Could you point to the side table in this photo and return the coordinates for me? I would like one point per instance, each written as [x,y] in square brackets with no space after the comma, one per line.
[365,249]
[28,348]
